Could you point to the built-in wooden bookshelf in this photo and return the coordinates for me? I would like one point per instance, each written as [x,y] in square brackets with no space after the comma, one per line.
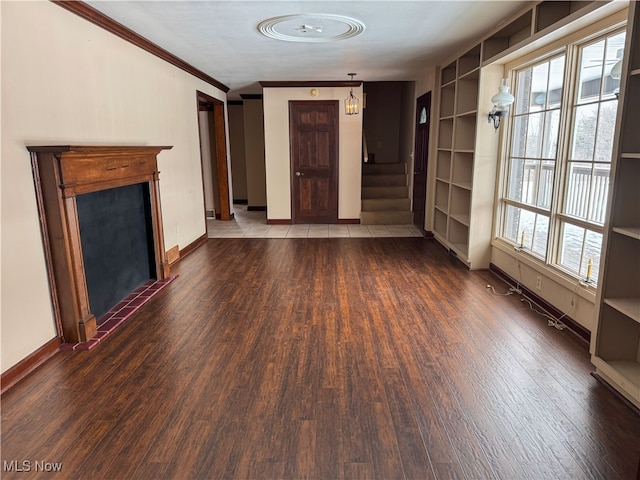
[615,347]
[467,146]
[543,19]
[550,13]
[461,136]
[509,36]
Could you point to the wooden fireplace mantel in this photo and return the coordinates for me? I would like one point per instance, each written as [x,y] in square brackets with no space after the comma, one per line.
[60,173]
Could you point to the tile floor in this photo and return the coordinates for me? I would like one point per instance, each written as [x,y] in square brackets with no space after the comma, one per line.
[254,225]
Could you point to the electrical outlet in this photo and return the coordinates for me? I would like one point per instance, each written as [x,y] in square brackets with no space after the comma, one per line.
[539,282]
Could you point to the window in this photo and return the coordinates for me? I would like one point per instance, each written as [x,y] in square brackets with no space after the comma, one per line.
[533,150]
[559,147]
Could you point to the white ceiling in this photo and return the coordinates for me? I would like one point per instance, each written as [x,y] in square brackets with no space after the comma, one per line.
[221,38]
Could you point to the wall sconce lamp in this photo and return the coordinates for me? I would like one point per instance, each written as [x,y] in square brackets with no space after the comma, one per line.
[616,70]
[351,103]
[501,102]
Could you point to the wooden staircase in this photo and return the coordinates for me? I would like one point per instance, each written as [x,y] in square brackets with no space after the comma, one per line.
[385,195]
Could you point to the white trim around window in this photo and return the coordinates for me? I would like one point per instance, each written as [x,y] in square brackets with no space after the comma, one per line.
[553,181]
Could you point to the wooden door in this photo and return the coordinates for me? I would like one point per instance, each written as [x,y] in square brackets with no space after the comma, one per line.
[423,122]
[314,161]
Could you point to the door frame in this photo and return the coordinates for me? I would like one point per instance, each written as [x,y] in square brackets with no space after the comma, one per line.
[422,100]
[217,133]
[336,148]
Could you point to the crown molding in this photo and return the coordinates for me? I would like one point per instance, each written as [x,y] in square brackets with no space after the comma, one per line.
[97,18]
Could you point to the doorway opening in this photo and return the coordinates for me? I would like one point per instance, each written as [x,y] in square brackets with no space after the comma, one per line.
[388,126]
[213,157]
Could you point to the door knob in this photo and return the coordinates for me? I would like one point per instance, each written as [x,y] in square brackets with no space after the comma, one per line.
[299,174]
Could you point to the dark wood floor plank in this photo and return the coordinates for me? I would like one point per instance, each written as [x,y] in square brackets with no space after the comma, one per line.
[324,359]
[443,459]
[497,445]
[519,386]
[356,409]
[385,453]
[542,380]
[68,418]
[512,438]
[192,445]
[139,423]
[415,459]
[358,471]
[76,453]
[461,433]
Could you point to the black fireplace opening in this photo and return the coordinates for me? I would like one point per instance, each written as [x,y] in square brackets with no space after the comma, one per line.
[116,234]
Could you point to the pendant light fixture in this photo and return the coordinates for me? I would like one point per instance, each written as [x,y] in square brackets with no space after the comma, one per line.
[351,103]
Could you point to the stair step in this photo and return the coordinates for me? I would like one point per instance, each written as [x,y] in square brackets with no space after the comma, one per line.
[386,204]
[385,192]
[386,218]
[384,180]
[384,168]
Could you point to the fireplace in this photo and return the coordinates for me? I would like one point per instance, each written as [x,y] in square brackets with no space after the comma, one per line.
[101,227]
[116,235]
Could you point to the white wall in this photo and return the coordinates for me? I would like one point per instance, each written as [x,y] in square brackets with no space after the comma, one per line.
[66,81]
[276,131]
[576,301]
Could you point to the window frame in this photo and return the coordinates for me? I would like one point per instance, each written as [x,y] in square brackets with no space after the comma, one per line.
[573,105]
[506,157]
[569,46]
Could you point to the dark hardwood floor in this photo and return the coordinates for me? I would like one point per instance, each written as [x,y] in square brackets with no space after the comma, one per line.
[324,359]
